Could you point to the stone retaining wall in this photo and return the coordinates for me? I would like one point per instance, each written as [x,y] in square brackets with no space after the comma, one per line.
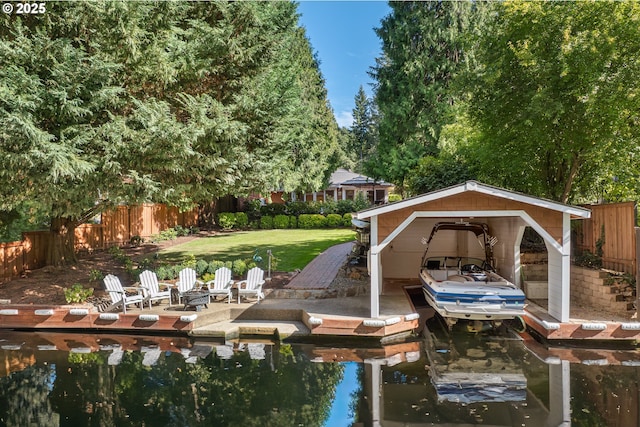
[353,291]
[534,266]
[595,288]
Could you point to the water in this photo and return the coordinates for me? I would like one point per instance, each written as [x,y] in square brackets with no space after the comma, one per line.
[458,378]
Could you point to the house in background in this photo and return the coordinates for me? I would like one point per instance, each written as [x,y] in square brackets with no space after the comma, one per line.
[343,185]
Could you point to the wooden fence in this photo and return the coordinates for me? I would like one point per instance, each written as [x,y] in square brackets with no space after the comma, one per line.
[116,227]
[615,224]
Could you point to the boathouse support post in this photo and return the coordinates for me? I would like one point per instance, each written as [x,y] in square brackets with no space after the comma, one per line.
[558,273]
[517,266]
[376,270]
[637,231]
[566,267]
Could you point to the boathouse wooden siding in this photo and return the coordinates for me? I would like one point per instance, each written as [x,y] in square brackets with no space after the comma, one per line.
[117,227]
[615,222]
[547,218]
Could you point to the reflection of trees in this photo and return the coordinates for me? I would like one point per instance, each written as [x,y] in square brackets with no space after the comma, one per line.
[358,405]
[282,390]
[24,398]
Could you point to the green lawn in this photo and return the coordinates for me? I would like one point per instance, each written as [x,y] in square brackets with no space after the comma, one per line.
[294,248]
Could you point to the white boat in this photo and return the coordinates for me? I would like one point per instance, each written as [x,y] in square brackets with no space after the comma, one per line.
[463,287]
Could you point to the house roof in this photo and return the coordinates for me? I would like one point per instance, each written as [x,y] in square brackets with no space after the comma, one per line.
[345,177]
[480,188]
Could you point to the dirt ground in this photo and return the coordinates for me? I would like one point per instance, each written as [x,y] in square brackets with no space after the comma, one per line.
[46,285]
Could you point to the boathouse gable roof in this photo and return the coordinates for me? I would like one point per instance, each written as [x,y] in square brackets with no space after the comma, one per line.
[474,186]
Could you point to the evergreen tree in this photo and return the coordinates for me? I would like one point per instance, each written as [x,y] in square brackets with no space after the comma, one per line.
[422,50]
[364,129]
[105,102]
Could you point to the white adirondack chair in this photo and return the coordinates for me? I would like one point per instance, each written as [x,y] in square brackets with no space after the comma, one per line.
[187,281]
[118,293]
[221,285]
[149,282]
[253,284]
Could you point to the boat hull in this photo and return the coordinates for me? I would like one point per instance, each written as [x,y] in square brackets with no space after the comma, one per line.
[486,301]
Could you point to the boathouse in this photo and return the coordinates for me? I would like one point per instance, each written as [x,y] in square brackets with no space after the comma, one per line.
[399,229]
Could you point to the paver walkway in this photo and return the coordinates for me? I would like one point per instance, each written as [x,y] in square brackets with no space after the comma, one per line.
[320,272]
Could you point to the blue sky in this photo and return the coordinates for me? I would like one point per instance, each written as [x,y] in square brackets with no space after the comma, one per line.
[340,414]
[342,35]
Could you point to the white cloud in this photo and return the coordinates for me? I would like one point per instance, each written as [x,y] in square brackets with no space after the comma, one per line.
[344,119]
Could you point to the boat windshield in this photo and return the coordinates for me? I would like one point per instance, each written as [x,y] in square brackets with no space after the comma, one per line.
[456,263]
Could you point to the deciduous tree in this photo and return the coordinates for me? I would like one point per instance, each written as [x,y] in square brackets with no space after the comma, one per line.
[557,99]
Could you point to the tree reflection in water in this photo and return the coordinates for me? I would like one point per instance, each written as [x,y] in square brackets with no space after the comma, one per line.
[283,389]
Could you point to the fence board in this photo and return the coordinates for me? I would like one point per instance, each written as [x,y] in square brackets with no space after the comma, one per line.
[35,245]
[616,223]
[88,237]
[11,258]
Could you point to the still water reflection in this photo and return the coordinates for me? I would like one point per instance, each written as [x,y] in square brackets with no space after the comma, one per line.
[453,379]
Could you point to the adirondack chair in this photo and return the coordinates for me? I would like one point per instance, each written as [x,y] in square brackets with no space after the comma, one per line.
[118,293]
[187,281]
[151,288]
[253,284]
[221,285]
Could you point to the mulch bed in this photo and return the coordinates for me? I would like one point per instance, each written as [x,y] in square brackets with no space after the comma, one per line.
[46,285]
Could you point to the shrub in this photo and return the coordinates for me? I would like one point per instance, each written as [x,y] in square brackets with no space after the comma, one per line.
[213,266]
[281,221]
[117,253]
[77,294]
[242,220]
[293,222]
[334,220]
[255,224]
[273,209]
[168,234]
[361,202]
[344,206]
[394,197]
[329,207]
[312,221]
[163,273]
[297,208]
[208,277]
[346,220]
[266,222]
[239,267]
[96,275]
[201,267]
[146,263]
[314,207]
[252,209]
[181,231]
[175,271]
[189,261]
[226,220]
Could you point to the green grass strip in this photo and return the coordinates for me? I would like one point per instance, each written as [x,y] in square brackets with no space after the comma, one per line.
[293,248]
